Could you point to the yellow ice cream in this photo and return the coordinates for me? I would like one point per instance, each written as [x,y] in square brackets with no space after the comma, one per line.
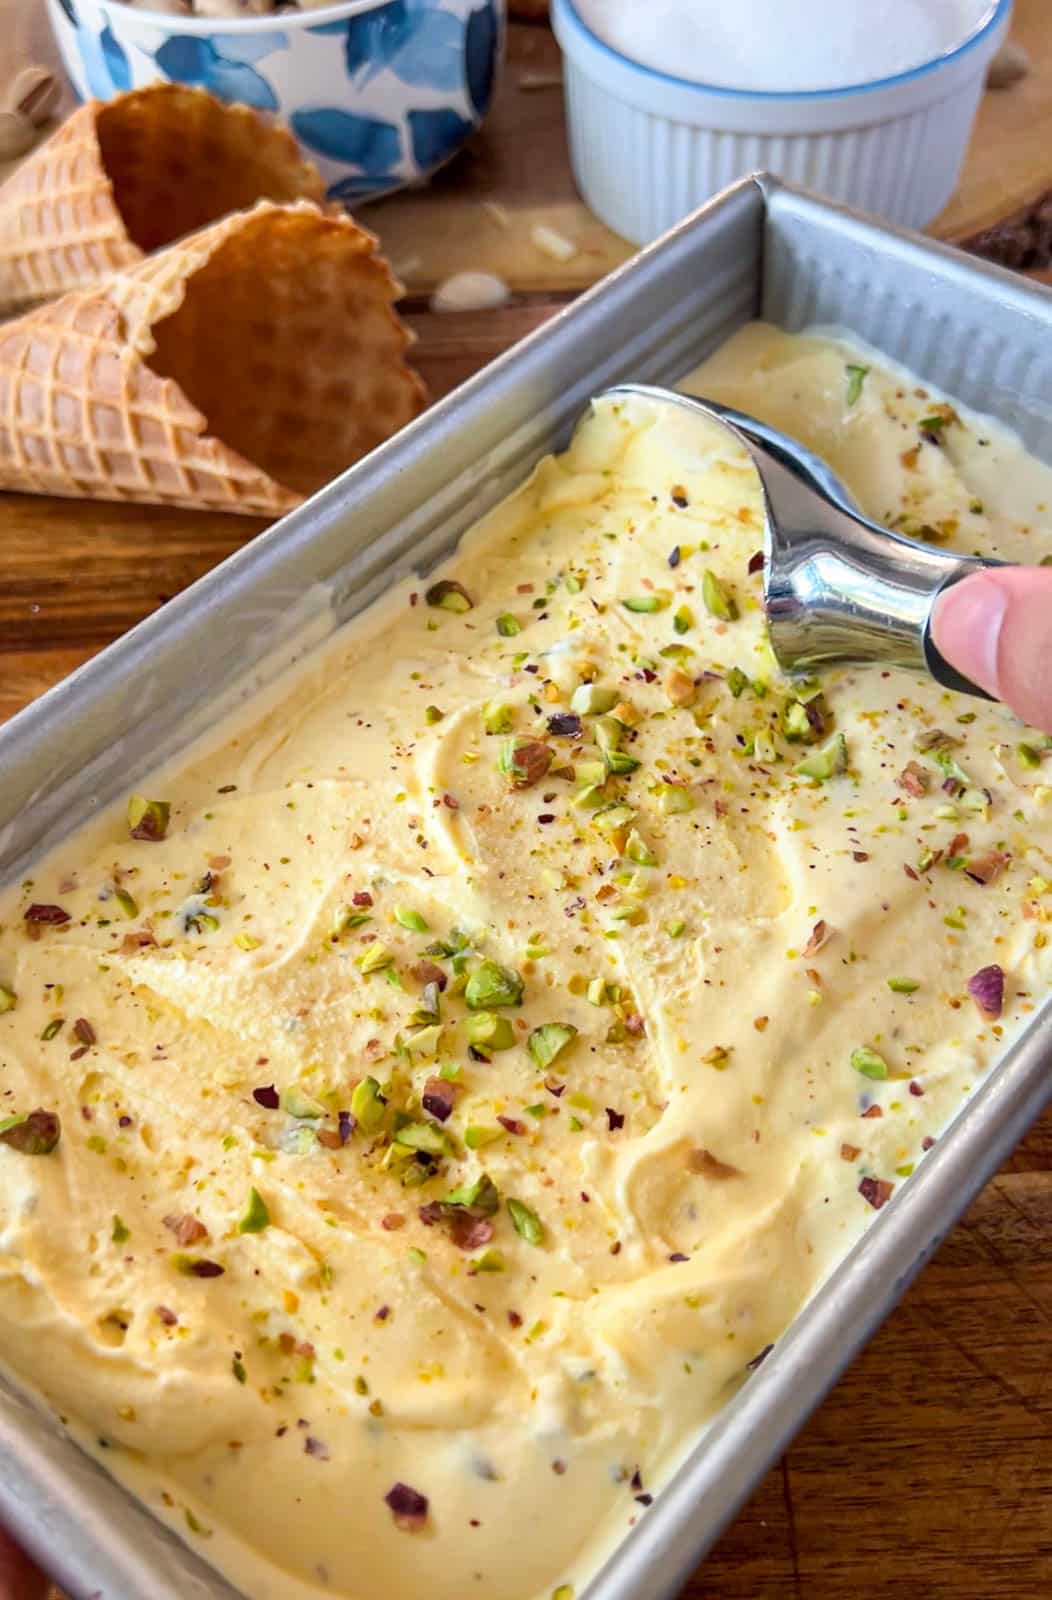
[476,1061]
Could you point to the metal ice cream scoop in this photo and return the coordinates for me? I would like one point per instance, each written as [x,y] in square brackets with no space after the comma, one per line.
[836,586]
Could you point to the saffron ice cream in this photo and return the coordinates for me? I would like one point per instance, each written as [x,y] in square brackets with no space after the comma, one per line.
[424,1104]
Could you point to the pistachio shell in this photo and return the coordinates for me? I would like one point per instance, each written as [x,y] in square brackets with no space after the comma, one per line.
[35,93]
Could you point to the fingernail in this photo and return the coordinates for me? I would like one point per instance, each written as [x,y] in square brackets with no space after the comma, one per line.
[967,627]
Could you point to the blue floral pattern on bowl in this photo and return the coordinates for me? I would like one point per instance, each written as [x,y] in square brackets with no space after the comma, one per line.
[379,97]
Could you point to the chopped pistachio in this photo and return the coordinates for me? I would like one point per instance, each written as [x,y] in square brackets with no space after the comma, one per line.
[563,1592]
[256,1217]
[247,941]
[202,922]
[415,1173]
[426,1041]
[428,1006]
[592,700]
[425,1136]
[52,1028]
[432,715]
[903,985]
[869,1063]
[933,739]
[599,993]
[637,849]
[527,1223]
[620,763]
[676,929]
[645,602]
[508,626]
[8,999]
[299,1140]
[737,681]
[482,1195]
[936,421]
[591,798]
[674,799]
[128,903]
[828,761]
[719,601]
[347,918]
[856,377]
[497,718]
[411,920]
[374,958]
[448,595]
[796,724]
[120,1233]
[589,774]
[524,761]
[608,733]
[489,1261]
[491,985]
[977,800]
[300,1105]
[367,1105]
[680,688]
[549,1041]
[683,619]
[609,818]
[148,819]
[475,1137]
[488,1031]
[34,1133]
[950,767]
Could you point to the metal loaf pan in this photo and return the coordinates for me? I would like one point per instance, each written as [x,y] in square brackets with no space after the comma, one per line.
[760,249]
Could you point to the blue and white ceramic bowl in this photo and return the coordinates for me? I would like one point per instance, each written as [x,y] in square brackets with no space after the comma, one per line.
[379,93]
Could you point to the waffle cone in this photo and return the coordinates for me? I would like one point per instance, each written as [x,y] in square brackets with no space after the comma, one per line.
[122,178]
[238,370]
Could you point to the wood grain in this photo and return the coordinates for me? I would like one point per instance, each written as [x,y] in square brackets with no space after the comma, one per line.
[1010,160]
[929,1470]
[928,1473]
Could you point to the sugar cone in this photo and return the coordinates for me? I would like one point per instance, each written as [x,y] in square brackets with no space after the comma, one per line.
[237,370]
[127,176]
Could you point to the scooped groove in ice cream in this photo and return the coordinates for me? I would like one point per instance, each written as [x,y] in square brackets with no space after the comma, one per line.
[467,1069]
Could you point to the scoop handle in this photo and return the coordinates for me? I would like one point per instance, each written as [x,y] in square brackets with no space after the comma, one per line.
[839,587]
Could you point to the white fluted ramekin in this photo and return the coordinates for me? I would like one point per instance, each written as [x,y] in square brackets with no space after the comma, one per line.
[647,148]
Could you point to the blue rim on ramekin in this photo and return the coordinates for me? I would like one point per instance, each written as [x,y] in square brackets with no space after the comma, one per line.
[998,10]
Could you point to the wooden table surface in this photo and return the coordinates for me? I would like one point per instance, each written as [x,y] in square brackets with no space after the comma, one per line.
[928,1473]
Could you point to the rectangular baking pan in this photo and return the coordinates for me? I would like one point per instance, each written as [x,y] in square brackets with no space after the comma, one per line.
[759,249]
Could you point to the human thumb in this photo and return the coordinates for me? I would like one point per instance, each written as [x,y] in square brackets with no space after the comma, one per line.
[996,628]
